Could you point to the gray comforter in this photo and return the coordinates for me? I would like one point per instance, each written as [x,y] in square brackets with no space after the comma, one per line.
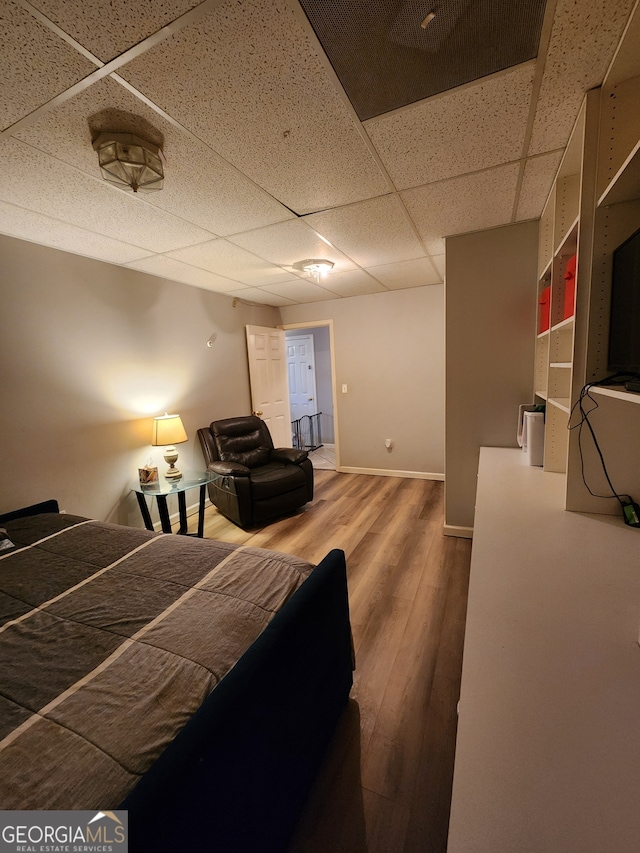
[110,639]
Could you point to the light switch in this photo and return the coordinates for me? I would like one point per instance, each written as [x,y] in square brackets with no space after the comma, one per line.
[344,388]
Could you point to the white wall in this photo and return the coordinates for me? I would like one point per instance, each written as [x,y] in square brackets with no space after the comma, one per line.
[389,351]
[490,333]
[89,353]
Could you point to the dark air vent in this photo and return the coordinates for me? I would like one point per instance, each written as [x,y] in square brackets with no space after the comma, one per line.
[385,59]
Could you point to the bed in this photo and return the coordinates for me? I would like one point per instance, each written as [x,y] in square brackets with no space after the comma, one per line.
[194,683]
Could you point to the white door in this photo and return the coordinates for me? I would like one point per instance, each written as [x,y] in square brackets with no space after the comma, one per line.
[268,377]
[302,376]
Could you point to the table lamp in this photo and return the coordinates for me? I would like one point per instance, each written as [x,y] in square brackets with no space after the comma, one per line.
[169,431]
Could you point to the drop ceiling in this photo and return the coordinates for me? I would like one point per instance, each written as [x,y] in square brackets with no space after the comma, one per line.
[273,152]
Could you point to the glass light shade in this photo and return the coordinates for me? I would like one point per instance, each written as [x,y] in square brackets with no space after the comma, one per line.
[317,268]
[168,429]
[129,162]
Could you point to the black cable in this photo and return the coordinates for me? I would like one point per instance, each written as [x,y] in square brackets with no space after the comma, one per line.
[614,379]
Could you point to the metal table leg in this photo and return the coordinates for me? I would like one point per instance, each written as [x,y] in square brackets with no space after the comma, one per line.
[144,509]
[182,511]
[163,510]
[201,512]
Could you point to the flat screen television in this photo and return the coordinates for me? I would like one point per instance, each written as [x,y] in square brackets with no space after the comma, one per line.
[624,325]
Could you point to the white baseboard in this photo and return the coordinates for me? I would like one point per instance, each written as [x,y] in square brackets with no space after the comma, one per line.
[385,472]
[455,530]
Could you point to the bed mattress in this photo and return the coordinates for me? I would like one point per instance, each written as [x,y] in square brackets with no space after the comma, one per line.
[110,639]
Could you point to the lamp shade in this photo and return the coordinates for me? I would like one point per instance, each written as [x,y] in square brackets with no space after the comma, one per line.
[167,429]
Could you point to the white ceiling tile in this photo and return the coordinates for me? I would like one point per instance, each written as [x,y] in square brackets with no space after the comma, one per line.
[288,242]
[432,140]
[415,273]
[204,189]
[199,186]
[227,259]
[300,291]
[35,64]
[176,271]
[271,109]
[371,232]
[539,173]
[108,27]
[582,42]
[27,225]
[351,283]
[257,294]
[66,131]
[439,263]
[488,199]
[55,189]
[246,78]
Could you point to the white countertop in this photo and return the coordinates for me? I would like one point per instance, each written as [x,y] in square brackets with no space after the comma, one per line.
[548,747]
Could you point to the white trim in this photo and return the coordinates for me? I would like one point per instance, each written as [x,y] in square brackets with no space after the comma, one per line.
[455,530]
[385,472]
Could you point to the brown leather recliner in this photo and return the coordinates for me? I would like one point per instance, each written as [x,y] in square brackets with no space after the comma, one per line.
[253,481]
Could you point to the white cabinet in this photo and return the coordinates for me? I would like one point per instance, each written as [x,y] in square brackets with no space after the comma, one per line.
[547,751]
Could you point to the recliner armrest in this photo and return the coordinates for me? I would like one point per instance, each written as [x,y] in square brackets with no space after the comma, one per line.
[288,454]
[229,469]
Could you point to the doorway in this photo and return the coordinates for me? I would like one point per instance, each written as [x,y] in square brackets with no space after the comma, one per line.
[315,366]
[301,367]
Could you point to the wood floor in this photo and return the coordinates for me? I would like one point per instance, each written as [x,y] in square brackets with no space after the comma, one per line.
[385,786]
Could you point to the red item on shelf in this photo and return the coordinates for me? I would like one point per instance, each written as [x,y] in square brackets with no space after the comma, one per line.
[544,312]
[570,288]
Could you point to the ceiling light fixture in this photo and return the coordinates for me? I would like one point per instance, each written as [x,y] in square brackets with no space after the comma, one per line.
[428,20]
[317,268]
[129,162]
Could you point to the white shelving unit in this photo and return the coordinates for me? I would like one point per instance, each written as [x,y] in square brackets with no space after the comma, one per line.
[616,215]
[554,354]
[618,393]
[593,207]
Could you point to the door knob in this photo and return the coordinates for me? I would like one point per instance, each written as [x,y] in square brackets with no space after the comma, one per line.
[257,414]
[310,398]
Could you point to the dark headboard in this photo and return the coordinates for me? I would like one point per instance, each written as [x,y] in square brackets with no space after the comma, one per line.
[34,509]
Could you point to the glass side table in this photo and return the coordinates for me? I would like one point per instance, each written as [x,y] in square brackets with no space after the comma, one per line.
[162,489]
